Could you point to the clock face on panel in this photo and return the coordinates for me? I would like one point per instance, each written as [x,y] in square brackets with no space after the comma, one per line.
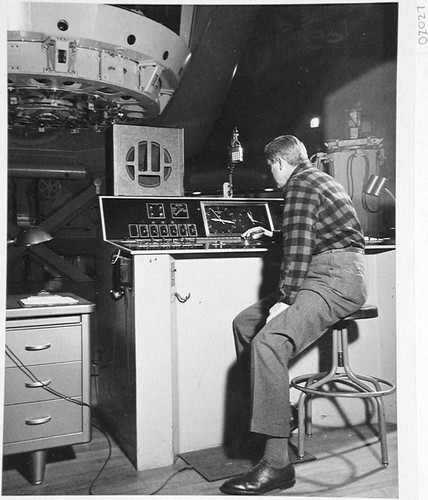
[226,218]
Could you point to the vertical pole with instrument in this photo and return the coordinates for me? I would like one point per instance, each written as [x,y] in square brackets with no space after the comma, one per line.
[236,155]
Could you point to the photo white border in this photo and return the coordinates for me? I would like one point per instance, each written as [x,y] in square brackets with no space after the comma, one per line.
[411,238]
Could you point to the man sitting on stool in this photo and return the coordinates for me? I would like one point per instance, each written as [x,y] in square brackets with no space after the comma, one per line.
[323,278]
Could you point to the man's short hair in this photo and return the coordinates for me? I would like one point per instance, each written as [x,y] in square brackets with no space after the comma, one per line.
[287,147]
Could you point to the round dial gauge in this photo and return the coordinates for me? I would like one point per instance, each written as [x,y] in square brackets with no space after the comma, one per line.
[179,210]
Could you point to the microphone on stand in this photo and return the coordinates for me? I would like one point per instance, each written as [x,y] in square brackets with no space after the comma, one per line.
[236,155]
[236,152]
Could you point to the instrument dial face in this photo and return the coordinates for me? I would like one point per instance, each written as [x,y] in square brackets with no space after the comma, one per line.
[252,217]
[233,218]
[155,210]
[221,220]
[179,210]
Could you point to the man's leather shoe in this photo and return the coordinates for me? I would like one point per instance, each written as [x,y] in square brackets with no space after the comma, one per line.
[260,479]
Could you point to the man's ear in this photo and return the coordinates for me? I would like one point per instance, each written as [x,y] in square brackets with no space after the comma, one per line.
[281,163]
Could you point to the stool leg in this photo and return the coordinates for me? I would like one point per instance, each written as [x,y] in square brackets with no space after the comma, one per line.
[382,430]
[312,380]
[346,366]
[301,427]
[322,378]
[308,421]
[379,400]
[308,426]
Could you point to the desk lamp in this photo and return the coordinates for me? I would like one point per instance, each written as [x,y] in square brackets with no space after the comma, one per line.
[376,185]
[29,236]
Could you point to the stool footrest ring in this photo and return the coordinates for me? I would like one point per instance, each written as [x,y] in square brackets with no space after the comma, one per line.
[339,378]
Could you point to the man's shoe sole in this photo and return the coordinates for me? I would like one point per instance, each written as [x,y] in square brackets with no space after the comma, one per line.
[281,486]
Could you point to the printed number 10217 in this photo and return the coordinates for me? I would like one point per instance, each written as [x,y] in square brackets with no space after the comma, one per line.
[422,25]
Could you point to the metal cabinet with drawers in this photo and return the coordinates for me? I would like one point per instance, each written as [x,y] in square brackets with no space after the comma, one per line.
[47,379]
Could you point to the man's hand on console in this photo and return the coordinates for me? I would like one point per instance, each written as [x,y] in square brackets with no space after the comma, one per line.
[254,233]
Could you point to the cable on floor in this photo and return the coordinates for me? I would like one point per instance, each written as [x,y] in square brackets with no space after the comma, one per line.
[105,461]
[170,477]
[15,359]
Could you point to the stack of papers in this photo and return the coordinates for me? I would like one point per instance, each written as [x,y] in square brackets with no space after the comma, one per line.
[47,299]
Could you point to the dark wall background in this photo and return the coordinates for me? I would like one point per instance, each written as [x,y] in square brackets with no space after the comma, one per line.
[302,61]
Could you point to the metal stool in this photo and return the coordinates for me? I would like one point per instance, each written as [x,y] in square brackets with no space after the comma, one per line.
[340,372]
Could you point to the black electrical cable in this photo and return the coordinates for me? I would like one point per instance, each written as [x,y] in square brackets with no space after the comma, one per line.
[350,180]
[169,478]
[94,375]
[105,461]
[349,175]
[15,359]
[128,334]
[113,357]
[128,340]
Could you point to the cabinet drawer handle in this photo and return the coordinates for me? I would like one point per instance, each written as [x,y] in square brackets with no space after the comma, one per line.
[40,347]
[42,383]
[38,421]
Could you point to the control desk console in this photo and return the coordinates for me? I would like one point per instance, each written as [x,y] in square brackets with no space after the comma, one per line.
[186,224]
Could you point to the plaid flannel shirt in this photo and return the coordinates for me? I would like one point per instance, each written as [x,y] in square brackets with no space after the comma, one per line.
[318,216]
